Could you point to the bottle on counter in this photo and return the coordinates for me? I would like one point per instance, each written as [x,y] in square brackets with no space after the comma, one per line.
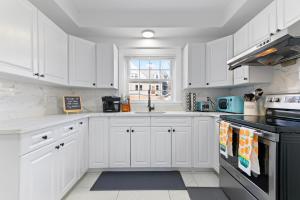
[125,104]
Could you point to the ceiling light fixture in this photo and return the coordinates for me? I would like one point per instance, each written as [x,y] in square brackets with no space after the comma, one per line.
[148,33]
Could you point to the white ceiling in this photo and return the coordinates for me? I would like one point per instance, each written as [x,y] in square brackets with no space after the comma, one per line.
[203,19]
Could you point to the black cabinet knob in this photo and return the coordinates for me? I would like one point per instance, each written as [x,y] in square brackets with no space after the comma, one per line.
[45,137]
[111,84]
[207,83]
[36,74]
[132,131]
[80,123]
[127,131]
[169,131]
[57,147]
[173,130]
[62,144]
[245,78]
[94,84]
[190,83]
[42,75]
[71,128]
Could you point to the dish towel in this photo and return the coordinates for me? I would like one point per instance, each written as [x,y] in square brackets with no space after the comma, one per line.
[248,151]
[254,156]
[225,139]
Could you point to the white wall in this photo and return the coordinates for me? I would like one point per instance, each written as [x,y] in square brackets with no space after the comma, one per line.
[285,80]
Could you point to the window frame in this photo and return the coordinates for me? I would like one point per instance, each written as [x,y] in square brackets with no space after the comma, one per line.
[149,58]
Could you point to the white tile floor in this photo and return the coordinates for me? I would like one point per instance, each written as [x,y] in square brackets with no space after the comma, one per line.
[191,179]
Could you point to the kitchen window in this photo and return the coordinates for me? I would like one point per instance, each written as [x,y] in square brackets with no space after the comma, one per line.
[150,73]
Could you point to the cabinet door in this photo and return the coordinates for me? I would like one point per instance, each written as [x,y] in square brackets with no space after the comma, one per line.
[216,145]
[107,66]
[82,62]
[119,147]
[263,25]
[288,13]
[140,146]
[68,163]
[202,141]
[181,147]
[241,40]
[39,174]
[98,142]
[217,54]
[241,75]
[53,51]
[161,147]
[83,151]
[194,65]
[18,38]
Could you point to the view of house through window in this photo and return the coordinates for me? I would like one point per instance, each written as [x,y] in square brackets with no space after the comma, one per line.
[150,73]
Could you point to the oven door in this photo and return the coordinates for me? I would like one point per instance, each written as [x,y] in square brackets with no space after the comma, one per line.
[262,186]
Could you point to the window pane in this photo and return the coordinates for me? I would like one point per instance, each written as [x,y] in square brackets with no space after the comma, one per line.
[166,64]
[154,64]
[154,74]
[134,74]
[144,74]
[144,64]
[134,64]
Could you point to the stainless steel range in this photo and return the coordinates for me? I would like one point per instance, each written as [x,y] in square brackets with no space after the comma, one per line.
[279,153]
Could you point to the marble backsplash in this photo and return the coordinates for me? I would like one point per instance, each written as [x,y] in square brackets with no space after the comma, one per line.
[285,80]
[20,99]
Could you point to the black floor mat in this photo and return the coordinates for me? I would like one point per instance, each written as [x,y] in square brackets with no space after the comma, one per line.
[169,180]
[206,193]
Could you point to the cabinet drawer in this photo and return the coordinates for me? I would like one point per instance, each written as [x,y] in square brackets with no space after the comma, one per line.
[36,140]
[69,129]
[171,121]
[130,121]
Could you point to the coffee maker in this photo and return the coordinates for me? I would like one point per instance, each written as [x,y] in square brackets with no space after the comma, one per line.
[111,104]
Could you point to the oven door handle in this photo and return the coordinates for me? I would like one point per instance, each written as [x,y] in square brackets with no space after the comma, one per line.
[264,134]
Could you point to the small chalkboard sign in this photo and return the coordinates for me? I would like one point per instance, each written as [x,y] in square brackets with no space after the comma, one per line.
[72,104]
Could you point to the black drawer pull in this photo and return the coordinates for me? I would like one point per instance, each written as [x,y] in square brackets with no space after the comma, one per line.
[45,137]
[71,128]
[80,123]
[62,144]
[57,147]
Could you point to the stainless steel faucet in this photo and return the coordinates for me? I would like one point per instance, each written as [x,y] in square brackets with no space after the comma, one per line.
[150,108]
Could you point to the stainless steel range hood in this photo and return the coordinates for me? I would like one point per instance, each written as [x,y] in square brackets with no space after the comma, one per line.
[279,48]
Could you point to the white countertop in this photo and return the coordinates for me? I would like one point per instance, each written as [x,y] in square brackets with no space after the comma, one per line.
[25,125]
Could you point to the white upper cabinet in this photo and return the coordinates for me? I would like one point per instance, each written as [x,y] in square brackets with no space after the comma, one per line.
[82,62]
[18,38]
[107,66]
[241,40]
[253,75]
[217,54]
[288,12]
[263,25]
[194,65]
[53,51]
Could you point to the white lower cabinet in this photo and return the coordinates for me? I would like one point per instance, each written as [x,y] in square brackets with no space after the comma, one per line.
[119,147]
[181,147]
[140,147]
[68,164]
[39,174]
[161,147]
[83,147]
[202,141]
[98,142]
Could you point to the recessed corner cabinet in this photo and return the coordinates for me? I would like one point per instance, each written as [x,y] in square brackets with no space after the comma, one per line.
[107,66]
[217,54]
[82,62]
